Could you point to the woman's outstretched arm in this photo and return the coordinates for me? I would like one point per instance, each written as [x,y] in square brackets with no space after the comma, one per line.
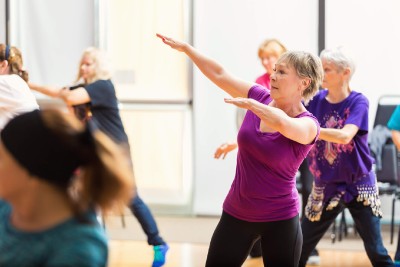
[211,69]
[302,130]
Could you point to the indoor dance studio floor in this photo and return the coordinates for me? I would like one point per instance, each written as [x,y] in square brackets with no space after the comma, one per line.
[188,238]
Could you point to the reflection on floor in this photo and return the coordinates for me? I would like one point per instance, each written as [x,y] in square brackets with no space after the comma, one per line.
[188,238]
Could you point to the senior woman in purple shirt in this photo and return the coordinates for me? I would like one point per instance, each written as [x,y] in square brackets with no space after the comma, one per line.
[275,137]
[341,163]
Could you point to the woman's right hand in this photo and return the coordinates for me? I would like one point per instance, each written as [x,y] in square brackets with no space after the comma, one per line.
[63,92]
[224,149]
[51,91]
[177,45]
[210,68]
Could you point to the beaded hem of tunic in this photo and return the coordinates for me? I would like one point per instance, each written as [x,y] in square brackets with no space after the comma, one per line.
[368,194]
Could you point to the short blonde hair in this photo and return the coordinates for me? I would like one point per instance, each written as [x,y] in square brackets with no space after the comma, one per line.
[271,46]
[307,66]
[102,68]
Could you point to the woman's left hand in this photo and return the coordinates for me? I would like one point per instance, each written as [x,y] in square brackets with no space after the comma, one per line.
[175,44]
[240,102]
[63,92]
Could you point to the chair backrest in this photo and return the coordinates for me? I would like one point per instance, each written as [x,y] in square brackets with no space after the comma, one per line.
[390,169]
[390,172]
[386,106]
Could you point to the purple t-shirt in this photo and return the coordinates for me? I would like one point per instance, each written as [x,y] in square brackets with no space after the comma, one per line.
[264,188]
[342,169]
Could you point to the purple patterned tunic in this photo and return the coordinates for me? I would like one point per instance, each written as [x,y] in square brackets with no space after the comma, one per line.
[341,171]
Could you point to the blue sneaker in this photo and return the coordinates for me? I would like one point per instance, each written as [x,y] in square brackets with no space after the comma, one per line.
[397,263]
[159,255]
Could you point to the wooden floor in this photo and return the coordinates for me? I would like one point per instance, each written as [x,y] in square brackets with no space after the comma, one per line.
[188,238]
[124,253]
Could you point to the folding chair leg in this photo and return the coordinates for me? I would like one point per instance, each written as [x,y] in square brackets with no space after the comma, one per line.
[392,220]
[340,230]
[123,220]
[333,234]
[342,226]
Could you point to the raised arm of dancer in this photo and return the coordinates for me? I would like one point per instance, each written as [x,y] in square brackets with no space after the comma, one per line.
[211,69]
[70,97]
[302,130]
[46,90]
[340,136]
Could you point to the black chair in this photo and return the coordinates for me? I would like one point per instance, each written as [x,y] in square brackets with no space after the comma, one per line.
[388,179]
[388,175]
[342,230]
[386,106]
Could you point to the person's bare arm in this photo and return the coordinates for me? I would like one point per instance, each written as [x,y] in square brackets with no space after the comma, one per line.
[340,136]
[302,130]
[75,97]
[211,69]
[51,91]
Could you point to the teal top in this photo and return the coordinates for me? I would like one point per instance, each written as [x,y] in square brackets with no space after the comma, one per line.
[70,243]
[394,121]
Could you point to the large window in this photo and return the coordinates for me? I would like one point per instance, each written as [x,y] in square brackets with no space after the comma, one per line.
[154,87]
[143,71]
[161,142]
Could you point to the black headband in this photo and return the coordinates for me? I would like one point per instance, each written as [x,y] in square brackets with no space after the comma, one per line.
[7,54]
[38,149]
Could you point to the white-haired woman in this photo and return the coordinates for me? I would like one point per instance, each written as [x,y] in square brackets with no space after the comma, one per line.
[275,137]
[341,163]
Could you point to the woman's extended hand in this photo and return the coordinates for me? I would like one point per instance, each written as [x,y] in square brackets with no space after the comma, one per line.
[177,45]
[63,92]
[240,102]
[224,149]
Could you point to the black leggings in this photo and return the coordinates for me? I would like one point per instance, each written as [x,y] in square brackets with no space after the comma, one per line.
[232,240]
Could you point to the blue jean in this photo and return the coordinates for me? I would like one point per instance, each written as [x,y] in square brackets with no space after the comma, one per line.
[367,225]
[140,210]
[397,255]
[143,215]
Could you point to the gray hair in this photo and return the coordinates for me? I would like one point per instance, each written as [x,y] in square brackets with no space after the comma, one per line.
[341,57]
[307,66]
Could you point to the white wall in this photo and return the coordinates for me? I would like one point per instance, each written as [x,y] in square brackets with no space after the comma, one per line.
[2,21]
[230,31]
[52,35]
[371,30]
